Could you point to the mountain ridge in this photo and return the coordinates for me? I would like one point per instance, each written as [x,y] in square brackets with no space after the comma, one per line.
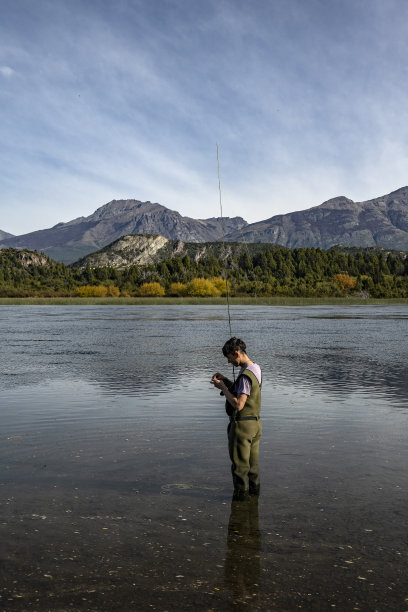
[381,222]
[69,241]
[4,235]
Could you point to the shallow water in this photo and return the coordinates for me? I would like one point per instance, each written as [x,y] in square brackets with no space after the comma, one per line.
[115,484]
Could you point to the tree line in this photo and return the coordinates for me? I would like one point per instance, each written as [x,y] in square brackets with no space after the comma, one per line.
[306,272]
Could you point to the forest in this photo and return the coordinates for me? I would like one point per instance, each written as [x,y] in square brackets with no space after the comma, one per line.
[303,272]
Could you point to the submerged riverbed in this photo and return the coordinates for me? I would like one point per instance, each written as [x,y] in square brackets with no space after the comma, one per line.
[115,479]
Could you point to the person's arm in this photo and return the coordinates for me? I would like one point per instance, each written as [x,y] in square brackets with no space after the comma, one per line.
[236,402]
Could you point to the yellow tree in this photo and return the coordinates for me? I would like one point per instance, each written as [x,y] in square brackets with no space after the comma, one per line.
[344,282]
[113,291]
[221,284]
[92,291]
[202,287]
[151,290]
[177,289]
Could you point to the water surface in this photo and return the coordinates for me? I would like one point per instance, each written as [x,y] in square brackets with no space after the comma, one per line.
[115,482]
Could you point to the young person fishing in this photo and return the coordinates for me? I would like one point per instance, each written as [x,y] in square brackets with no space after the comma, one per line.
[243,406]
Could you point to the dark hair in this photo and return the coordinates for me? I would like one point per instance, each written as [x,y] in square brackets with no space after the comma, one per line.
[232,345]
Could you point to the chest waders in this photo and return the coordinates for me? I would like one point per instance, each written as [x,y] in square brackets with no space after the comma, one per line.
[244,434]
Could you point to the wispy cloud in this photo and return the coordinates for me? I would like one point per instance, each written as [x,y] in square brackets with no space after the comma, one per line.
[6,71]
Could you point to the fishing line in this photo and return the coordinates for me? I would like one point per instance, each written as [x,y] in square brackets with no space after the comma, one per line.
[223,242]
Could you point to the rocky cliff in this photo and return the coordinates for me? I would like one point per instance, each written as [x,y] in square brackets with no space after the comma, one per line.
[151,249]
[32,258]
[380,222]
[68,241]
[24,258]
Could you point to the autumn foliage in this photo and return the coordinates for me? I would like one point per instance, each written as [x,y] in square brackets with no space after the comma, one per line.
[113,291]
[202,287]
[92,291]
[98,291]
[344,282]
[152,289]
[177,289]
[220,284]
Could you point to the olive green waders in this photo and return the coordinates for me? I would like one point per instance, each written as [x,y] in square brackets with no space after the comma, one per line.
[244,434]
[243,446]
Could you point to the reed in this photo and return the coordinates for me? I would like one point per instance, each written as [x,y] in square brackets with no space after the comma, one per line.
[191,301]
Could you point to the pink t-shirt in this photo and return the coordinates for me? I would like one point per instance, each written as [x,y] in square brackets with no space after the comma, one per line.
[244,384]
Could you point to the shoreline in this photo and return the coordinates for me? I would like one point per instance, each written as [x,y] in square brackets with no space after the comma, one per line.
[210,301]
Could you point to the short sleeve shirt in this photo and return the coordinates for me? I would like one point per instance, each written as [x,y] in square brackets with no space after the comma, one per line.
[244,384]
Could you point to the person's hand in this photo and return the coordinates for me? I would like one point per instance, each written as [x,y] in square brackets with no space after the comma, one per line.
[219,376]
[217,382]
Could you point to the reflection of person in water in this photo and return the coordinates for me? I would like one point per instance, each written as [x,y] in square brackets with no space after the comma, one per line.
[242,561]
[243,405]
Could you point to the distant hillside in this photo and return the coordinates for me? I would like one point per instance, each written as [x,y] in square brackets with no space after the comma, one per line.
[340,248]
[252,270]
[24,272]
[68,241]
[4,235]
[380,222]
[149,249]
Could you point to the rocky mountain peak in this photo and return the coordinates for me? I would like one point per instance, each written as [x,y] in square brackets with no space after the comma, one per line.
[397,199]
[69,241]
[337,203]
[116,208]
[381,222]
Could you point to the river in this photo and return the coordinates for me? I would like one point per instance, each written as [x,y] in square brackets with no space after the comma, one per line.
[115,477]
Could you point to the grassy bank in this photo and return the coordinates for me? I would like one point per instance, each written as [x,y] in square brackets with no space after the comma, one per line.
[177,301]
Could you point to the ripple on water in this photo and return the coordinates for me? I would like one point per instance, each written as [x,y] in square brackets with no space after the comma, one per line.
[115,463]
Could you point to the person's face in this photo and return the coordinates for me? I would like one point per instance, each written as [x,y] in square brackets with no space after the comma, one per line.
[234,358]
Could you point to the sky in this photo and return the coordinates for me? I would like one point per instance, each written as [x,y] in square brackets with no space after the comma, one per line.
[102,100]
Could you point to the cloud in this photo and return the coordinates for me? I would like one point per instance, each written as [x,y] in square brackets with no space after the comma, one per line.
[6,71]
[128,99]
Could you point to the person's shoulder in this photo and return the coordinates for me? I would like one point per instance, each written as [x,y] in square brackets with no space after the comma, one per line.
[255,369]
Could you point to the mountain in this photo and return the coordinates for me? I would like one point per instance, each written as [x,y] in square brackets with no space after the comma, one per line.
[69,241]
[4,235]
[380,222]
[151,249]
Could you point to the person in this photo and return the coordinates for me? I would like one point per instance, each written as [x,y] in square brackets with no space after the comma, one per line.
[243,406]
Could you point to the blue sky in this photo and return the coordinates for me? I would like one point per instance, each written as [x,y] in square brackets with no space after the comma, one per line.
[121,99]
